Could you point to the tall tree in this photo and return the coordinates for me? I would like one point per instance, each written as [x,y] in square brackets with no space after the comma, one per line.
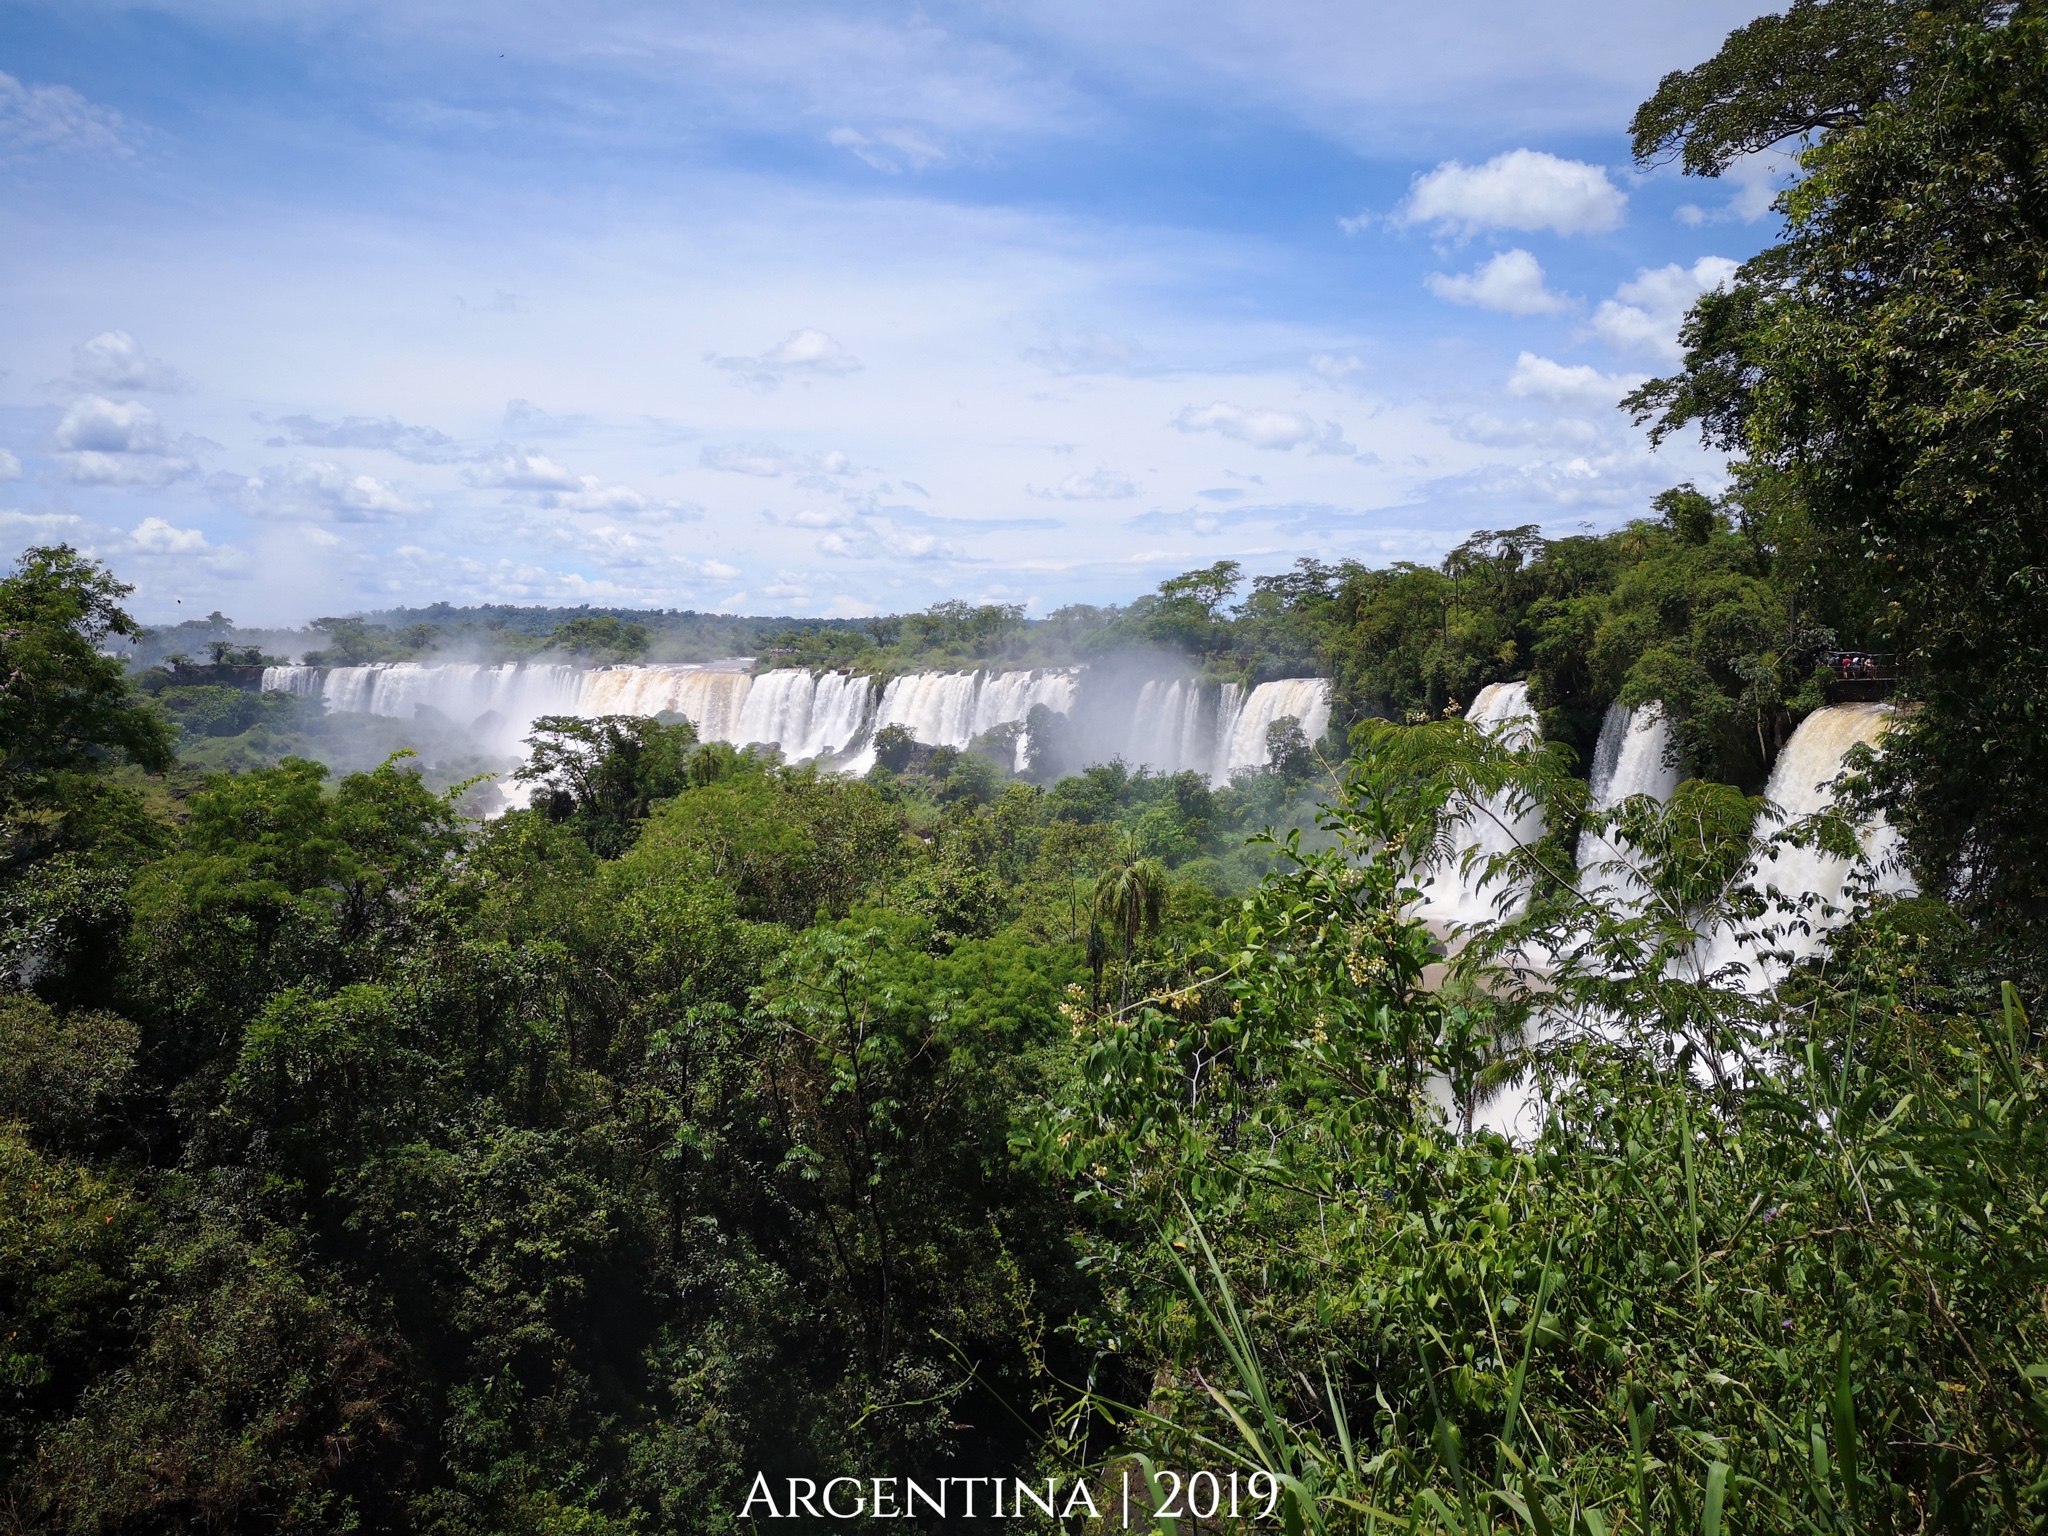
[1886,362]
[65,705]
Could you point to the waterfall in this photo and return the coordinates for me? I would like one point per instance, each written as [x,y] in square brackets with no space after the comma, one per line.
[1173,725]
[305,682]
[1179,726]
[1159,723]
[1173,728]
[1802,783]
[1630,759]
[1306,699]
[1008,696]
[498,704]
[1453,896]
[806,714]
[711,696]
[1229,706]
[950,709]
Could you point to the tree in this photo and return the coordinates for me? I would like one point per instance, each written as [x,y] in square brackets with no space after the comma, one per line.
[605,775]
[1208,590]
[65,705]
[1289,752]
[1883,365]
[1186,613]
[1130,896]
[600,637]
[959,628]
[894,745]
[787,843]
[354,641]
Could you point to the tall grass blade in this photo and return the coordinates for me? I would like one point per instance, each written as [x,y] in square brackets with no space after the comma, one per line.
[1846,1458]
[1717,1493]
[1511,1419]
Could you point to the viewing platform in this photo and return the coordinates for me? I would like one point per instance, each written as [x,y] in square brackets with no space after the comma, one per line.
[1860,677]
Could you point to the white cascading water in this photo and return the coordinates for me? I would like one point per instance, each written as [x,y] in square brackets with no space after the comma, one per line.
[1453,896]
[1306,699]
[713,697]
[1803,783]
[950,709]
[306,682]
[806,714]
[498,704]
[1631,758]
[1173,728]
[1177,725]
[1184,727]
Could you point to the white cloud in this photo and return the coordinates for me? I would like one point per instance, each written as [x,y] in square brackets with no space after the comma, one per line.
[877,538]
[513,470]
[530,421]
[154,536]
[1521,189]
[611,545]
[1756,179]
[112,360]
[718,570]
[830,518]
[102,442]
[422,445]
[92,468]
[888,149]
[1644,315]
[765,462]
[846,606]
[1511,282]
[544,483]
[1336,370]
[313,489]
[1102,485]
[102,426]
[36,526]
[10,466]
[1539,378]
[800,352]
[770,462]
[1485,428]
[785,589]
[1264,427]
[37,117]
[594,495]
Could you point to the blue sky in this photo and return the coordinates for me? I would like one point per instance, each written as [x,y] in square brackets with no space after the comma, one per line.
[827,309]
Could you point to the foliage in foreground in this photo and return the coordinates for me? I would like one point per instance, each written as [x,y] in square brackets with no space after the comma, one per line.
[1776,1259]
[363,1168]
